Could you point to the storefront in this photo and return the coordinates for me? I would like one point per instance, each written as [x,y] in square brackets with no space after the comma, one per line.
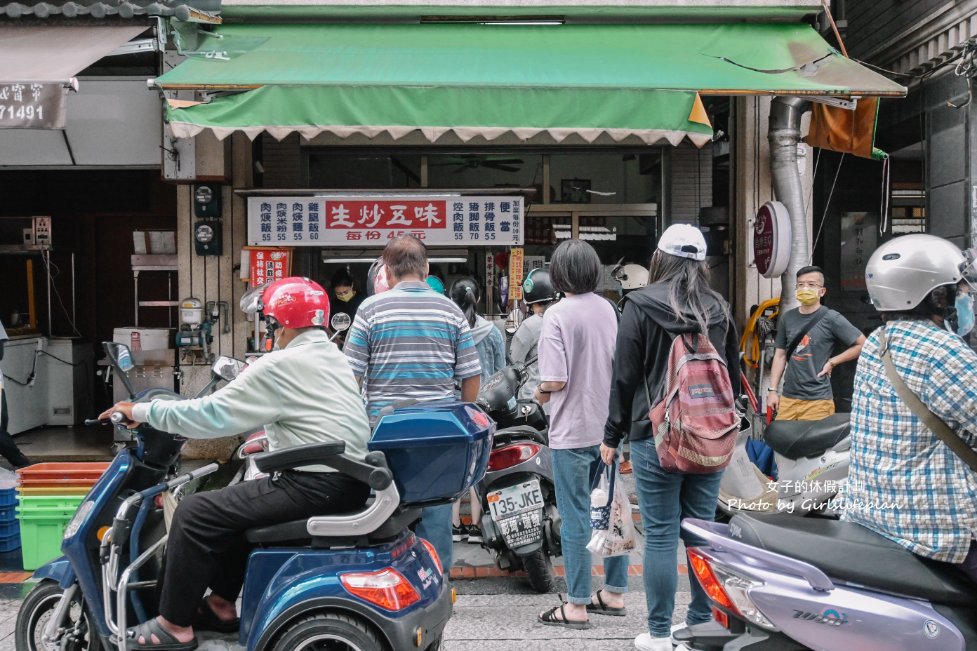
[600,128]
[79,174]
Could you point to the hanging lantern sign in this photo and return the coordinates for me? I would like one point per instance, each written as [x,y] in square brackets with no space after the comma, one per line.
[771,239]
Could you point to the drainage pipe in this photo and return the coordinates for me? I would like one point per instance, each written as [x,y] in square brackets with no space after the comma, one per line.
[784,135]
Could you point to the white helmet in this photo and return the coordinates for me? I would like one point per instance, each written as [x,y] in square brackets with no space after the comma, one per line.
[631,276]
[903,271]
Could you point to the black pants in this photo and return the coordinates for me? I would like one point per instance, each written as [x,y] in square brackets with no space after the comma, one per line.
[8,448]
[206,548]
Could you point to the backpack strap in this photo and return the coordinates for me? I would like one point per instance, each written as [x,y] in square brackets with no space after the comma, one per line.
[924,413]
[796,341]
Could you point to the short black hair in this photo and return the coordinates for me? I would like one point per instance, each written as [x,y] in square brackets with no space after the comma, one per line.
[342,278]
[811,269]
[575,267]
[405,255]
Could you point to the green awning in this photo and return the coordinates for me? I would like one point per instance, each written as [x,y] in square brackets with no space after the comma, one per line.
[486,80]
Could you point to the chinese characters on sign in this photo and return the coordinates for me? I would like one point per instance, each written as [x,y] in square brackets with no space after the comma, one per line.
[363,221]
[515,274]
[26,105]
[268,265]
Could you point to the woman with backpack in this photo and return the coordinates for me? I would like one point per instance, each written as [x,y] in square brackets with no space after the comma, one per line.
[491,354]
[676,305]
[576,353]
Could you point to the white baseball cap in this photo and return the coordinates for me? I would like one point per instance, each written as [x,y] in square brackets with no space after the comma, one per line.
[684,241]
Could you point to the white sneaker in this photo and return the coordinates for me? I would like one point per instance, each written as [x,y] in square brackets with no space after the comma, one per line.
[645,642]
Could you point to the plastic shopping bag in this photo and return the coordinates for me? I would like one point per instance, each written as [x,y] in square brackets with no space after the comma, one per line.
[612,528]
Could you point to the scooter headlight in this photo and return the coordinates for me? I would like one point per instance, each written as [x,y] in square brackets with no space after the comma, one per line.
[79,519]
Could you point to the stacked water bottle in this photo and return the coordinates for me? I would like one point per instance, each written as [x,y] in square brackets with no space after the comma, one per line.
[49,495]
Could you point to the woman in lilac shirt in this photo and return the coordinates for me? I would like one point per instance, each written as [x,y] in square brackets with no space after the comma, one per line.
[576,355]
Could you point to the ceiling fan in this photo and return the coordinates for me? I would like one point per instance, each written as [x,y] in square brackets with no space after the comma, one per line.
[472,162]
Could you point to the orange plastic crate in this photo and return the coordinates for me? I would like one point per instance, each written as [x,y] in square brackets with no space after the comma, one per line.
[62,473]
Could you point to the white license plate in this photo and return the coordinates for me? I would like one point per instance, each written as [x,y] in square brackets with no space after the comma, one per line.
[514,500]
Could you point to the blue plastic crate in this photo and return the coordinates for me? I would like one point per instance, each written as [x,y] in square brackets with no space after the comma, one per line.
[9,542]
[8,514]
[7,528]
[8,497]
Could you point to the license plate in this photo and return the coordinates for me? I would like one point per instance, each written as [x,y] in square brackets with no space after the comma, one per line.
[518,511]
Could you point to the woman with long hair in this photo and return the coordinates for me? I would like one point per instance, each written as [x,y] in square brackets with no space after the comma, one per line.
[677,300]
[576,354]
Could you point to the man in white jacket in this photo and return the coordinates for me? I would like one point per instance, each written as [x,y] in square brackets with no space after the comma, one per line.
[302,393]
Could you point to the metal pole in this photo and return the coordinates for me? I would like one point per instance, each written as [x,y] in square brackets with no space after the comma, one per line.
[73,317]
[47,267]
[135,291]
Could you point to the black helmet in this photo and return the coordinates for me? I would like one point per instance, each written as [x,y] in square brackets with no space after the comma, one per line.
[538,288]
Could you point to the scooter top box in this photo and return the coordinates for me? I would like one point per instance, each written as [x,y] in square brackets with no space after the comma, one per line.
[436,450]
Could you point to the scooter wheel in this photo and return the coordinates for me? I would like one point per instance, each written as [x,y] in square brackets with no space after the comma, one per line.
[539,568]
[333,631]
[36,610]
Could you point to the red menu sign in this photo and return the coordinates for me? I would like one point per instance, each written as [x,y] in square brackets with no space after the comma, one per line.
[268,264]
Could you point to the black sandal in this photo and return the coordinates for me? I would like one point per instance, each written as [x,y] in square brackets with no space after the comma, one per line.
[150,628]
[600,608]
[207,620]
[549,618]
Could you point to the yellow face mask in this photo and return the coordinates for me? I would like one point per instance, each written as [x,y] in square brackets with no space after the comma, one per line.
[807,296]
[346,296]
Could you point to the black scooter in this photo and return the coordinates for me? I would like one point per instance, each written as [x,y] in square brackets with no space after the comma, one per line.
[521,524]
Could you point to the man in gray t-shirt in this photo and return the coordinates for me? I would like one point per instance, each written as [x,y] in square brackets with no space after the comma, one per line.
[807,385]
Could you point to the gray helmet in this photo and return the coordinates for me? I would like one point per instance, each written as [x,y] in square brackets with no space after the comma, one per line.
[904,270]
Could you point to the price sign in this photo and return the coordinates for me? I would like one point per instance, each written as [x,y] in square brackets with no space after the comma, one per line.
[268,264]
[515,274]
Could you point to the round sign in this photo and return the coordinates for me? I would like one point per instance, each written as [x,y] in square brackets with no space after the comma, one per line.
[771,239]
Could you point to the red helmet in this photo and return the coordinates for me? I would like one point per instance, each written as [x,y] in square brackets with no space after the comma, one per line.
[296,303]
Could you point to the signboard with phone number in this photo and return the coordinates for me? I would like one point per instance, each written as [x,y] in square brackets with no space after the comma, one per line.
[32,106]
[365,221]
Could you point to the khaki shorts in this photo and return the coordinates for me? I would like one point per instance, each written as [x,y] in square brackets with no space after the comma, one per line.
[794,409]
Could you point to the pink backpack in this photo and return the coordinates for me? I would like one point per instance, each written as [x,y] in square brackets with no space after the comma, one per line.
[695,423]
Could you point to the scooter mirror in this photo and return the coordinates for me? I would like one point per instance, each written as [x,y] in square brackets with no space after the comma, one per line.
[121,358]
[340,322]
[227,368]
[120,355]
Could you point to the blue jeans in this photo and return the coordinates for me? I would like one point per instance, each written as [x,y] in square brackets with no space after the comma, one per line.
[435,527]
[574,470]
[665,499]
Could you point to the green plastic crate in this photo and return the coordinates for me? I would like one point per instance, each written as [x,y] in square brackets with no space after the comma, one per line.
[29,503]
[42,523]
[41,535]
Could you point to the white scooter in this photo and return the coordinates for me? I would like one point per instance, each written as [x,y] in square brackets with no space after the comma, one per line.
[812,462]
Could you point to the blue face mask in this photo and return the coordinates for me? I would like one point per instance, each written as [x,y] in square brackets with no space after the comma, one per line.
[965,313]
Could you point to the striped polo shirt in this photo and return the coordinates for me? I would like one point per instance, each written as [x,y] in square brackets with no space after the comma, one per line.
[410,343]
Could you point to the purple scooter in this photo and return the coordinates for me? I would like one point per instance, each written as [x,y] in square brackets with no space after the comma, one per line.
[782,583]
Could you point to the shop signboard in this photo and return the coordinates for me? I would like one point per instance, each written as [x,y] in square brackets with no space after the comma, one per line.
[771,239]
[27,105]
[515,274]
[859,238]
[370,220]
[268,264]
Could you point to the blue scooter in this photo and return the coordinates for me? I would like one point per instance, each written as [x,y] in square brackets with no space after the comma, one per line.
[359,580]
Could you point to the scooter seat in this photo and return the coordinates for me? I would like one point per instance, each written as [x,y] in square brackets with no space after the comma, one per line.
[296,532]
[854,554]
[806,438]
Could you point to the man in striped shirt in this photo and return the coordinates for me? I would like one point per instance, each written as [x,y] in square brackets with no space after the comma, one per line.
[411,343]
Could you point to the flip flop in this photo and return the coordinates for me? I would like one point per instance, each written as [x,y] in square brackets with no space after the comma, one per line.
[600,608]
[166,641]
[549,618]
[207,620]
